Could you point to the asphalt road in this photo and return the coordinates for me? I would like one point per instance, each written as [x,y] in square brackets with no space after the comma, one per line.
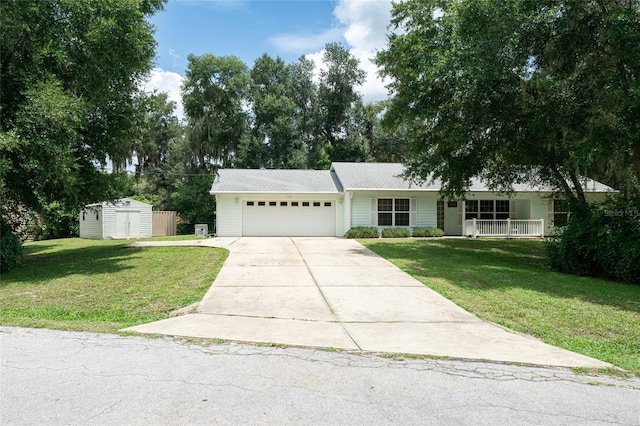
[65,378]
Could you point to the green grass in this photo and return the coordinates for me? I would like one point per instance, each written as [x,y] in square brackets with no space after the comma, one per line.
[508,282]
[75,284]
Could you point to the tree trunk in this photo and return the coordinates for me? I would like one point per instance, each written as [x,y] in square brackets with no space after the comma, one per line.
[578,187]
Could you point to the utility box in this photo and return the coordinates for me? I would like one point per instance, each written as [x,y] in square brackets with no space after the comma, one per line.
[202,229]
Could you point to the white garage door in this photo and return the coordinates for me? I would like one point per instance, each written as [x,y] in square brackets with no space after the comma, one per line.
[297,218]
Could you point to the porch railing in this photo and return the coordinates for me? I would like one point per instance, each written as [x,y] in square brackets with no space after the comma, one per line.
[509,228]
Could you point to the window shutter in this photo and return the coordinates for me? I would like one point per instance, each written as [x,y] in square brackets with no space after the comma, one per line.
[549,213]
[460,211]
[374,212]
[512,209]
[413,212]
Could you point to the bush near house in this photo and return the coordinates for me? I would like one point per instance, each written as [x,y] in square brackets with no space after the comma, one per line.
[395,233]
[600,240]
[363,232]
[427,232]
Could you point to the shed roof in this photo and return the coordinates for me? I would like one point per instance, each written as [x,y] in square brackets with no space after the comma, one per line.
[121,202]
[271,180]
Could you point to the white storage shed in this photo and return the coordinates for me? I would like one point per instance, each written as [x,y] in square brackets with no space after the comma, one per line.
[123,218]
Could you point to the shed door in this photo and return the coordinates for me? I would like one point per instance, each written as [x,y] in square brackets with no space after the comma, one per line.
[291,218]
[127,223]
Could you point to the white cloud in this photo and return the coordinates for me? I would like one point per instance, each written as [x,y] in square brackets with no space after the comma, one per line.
[366,22]
[362,24]
[168,82]
[303,43]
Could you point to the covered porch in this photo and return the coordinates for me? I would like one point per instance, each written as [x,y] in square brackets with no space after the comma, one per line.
[491,215]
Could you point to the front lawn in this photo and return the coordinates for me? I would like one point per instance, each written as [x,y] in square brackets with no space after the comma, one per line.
[508,282]
[76,284]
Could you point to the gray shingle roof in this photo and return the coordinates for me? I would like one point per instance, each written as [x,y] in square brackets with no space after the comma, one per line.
[374,176]
[345,176]
[291,181]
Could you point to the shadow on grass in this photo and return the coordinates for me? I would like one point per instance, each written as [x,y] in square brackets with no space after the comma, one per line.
[39,267]
[502,264]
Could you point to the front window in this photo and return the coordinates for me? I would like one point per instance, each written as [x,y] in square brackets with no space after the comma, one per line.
[560,213]
[502,209]
[385,212]
[487,209]
[401,212]
[471,209]
[394,211]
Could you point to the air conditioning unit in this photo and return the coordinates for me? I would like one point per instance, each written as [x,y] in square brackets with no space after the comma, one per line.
[202,229]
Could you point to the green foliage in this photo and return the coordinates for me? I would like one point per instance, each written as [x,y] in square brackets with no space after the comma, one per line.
[337,97]
[59,222]
[427,232]
[502,89]
[70,72]
[10,247]
[214,92]
[192,200]
[186,229]
[146,198]
[276,125]
[363,232]
[600,240]
[396,233]
[157,129]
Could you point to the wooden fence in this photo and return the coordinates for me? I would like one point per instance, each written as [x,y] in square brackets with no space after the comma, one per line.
[164,223]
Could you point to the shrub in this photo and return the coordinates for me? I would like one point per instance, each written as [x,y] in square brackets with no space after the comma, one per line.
[10,248]
[185,229]
[58,221]
[600,240]
[363,232]
[395,233]
[427,232]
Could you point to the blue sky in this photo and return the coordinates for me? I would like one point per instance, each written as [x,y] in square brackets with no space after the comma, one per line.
[246,29]
[249,28]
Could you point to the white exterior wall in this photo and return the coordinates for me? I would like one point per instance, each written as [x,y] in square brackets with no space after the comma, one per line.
[109,221]
[228,215]
[427,209]
[146,220]
[361,206]
[340,207]
[91,227]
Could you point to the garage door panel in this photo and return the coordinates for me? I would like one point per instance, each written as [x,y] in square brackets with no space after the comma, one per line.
[288,218]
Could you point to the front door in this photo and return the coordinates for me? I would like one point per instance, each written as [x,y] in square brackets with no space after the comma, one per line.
[452,225]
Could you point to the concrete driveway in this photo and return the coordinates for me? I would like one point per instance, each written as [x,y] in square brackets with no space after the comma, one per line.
[335,293]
